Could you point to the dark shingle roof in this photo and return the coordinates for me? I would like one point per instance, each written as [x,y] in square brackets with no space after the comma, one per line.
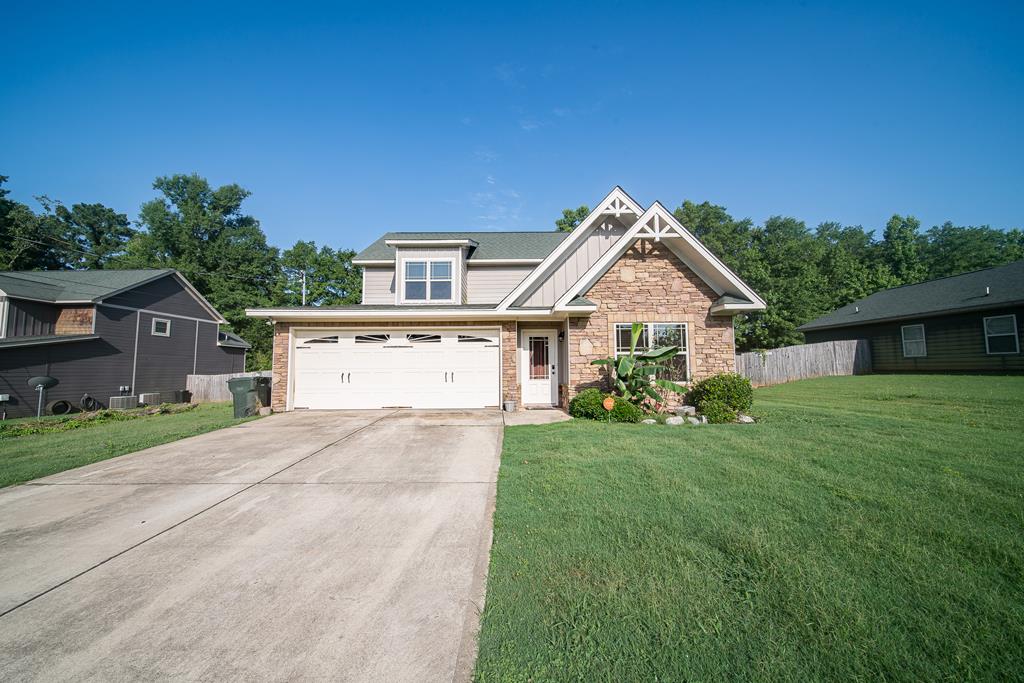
[225,338]
[73,285]
[956,293]
[490,245]
[581,301]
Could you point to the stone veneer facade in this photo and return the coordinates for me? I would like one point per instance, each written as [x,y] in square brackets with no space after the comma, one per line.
[649,284]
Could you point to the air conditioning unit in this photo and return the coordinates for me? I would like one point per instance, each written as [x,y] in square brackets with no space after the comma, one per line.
[150,399]
[123,402]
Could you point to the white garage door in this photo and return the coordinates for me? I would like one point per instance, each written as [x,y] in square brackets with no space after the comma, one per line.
[370,368]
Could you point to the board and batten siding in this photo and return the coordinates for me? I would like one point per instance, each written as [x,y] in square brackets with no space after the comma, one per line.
[491,284]
[30,318]
[954,343]
[574,264]
[379,285]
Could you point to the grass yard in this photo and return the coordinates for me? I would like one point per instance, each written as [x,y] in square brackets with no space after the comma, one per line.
[23,458]
[869,528]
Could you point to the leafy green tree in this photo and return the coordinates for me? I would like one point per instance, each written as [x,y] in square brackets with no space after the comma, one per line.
[331,279]
[571,218]
[27,241]
[954,249]
[90,235]
[203,232]
[850,263]
[902,247]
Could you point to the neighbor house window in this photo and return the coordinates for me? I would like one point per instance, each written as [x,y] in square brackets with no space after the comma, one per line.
[1001,334]
[161,327]
[654,336]
[428,280]
[913,341]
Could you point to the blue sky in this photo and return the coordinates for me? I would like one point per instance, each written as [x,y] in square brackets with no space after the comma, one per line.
[351,119]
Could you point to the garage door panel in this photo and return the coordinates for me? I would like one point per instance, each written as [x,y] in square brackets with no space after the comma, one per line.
[418,368]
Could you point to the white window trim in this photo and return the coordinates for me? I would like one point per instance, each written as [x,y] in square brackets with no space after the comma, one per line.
[455,280]
[4,307]
[650,334]
[152,327]
[924,341]
[1016,339]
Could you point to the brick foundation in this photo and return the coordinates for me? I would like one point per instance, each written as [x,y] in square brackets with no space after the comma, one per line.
[649,284]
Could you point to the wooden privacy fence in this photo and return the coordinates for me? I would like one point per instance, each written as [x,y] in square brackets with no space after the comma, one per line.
[846,357]
[211,388]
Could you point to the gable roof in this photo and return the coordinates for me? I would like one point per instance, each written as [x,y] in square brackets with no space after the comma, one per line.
[74,286]
[495,246]
[616,203]
[1004,286]
[660,224]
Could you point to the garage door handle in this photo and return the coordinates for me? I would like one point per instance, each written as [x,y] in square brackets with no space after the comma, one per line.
[349,380]
[343,378]
[453,375]
[446,378]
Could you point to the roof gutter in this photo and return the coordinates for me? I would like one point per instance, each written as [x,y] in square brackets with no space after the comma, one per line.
[291,315]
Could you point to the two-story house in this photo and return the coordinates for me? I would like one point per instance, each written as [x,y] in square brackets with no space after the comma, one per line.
[478,319]
[104,333]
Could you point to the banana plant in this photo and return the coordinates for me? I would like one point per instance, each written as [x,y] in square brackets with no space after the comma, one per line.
[634,377]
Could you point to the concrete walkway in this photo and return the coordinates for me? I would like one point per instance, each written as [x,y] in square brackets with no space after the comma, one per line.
[307,545]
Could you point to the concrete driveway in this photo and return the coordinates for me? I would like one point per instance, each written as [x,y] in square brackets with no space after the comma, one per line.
[309,545]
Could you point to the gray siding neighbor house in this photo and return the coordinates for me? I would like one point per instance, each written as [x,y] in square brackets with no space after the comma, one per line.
[98,331]
[965,323]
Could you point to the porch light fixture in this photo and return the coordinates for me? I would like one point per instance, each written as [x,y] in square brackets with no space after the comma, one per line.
[561,335]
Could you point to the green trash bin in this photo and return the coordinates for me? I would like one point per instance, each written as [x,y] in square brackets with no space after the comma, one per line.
[243,393]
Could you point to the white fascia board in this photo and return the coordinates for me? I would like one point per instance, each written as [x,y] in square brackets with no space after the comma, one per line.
[735,308]
[609,257]
[284,314]
[430,243]
[373,262]
[503,261]
[575,236]
[576,309]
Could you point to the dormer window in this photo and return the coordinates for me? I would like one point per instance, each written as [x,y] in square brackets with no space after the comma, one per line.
[428,281]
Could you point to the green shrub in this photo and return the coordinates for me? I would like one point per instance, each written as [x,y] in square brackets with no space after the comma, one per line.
[728,388]
[588,404]
[624,411]
[717,412]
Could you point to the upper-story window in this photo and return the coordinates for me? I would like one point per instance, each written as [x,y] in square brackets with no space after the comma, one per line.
[428,280]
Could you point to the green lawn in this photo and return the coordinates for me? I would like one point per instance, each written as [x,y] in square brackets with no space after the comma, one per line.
[869,528]
[28,457]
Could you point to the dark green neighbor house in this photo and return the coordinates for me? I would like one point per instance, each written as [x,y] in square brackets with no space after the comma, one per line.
[964,323]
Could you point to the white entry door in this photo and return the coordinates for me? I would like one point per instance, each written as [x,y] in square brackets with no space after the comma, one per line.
[415,368]
[540,367]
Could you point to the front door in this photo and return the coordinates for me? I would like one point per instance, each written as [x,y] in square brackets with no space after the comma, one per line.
[540,367]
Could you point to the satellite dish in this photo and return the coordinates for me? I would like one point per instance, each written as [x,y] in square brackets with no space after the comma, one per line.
[42,381]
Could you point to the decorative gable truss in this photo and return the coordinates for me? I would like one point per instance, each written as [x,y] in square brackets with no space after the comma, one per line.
[658,224]
[616,203]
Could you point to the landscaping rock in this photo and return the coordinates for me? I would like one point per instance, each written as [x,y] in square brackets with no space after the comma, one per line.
[686,411]
[264,411]
[744,419]
[693,420]
[703,420]
[674,421]
[649,421]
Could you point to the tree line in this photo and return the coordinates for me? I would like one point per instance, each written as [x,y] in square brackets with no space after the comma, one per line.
[203,232]
[195,228]
[803,273]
